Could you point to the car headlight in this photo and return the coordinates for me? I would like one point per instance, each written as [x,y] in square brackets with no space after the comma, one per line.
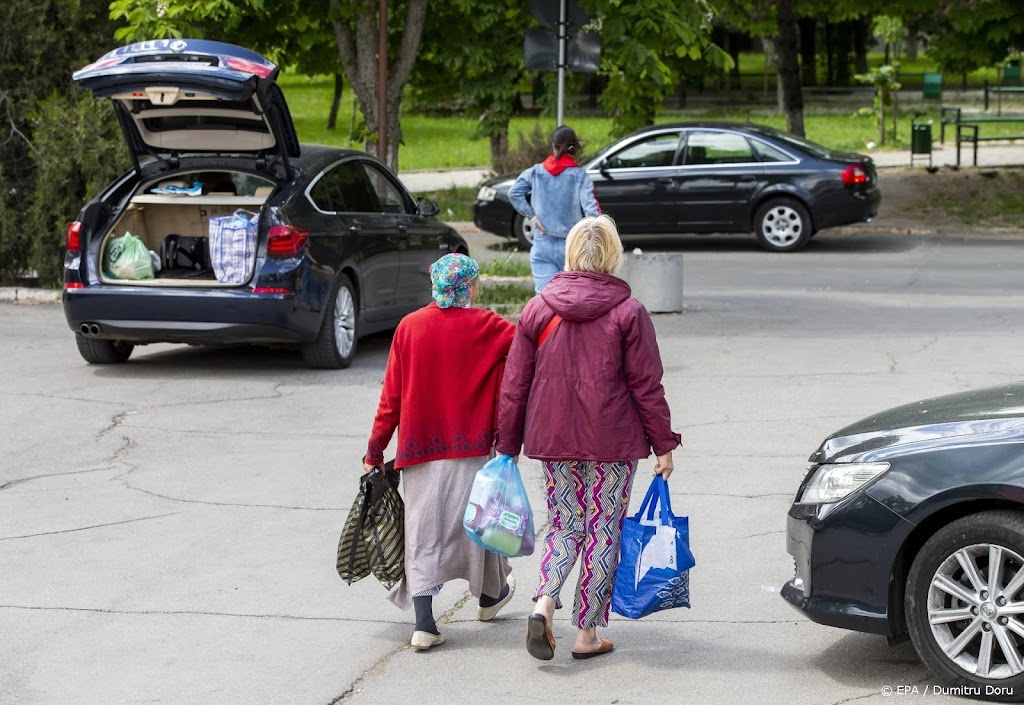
[833,482]
[486,193]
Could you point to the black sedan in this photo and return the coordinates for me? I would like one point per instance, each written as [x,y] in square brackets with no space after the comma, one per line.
[250,236]
[911,522]
[712,177]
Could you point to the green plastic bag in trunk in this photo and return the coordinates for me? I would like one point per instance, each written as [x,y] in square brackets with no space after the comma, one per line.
[127,257]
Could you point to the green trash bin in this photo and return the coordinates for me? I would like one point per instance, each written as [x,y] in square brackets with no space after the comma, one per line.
[932,86]
[1011,73]
[920,139]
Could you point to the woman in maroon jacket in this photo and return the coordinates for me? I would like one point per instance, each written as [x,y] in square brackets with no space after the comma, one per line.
[582,392]
[440,392]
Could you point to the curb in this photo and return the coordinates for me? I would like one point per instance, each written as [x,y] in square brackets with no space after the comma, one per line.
[489,280]
[28,295]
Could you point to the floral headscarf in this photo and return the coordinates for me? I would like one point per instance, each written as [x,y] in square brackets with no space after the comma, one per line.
[451,277]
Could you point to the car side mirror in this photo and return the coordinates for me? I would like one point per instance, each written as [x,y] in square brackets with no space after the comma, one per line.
[603,168]
[427,207]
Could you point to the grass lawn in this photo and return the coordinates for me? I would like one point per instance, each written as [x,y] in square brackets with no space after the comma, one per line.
[754,63]
[439,142]
[456,203]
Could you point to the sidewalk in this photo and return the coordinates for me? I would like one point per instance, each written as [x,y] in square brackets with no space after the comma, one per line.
[989,155]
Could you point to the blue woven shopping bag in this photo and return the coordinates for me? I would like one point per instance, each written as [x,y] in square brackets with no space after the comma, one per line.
[655,558]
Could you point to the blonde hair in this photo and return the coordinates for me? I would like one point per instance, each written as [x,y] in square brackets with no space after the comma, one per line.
[593,245]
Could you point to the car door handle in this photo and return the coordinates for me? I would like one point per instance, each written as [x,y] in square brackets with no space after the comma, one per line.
[663,180]
[402,229]
[353,229]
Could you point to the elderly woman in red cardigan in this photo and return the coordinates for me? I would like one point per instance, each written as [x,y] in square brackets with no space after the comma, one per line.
[440,392]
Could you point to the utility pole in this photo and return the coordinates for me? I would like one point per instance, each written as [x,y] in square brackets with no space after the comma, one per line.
[562,32]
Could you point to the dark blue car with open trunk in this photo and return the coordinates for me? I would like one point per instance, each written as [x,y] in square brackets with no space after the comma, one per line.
[338,247]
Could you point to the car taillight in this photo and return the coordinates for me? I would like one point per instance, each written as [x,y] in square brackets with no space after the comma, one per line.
[71,237]
[854,174]
[270,290]
[286,240]
[74,285]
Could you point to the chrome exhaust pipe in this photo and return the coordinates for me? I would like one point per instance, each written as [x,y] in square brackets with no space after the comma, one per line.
[89,329]
[84,329]
[94,329]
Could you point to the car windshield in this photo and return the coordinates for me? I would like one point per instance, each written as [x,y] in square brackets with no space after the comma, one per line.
[590,154]
[799,142]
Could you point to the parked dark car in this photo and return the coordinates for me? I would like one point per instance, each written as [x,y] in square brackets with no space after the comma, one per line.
[911,522]
[712,177]
[340,248]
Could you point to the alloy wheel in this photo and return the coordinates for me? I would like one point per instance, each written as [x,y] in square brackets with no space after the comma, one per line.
[344,321]
[782,226]
[974,605]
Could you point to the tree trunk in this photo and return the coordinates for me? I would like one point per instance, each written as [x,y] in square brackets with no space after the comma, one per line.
[499,147]
[769,62]
[843,44]
[357,51]
[332,116]
[809,50]
[789,70]
[860,46]
[912,42]
[881,119]
[830,52]
[895,116]
[734,52]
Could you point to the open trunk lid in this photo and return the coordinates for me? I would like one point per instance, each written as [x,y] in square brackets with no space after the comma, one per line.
[177,96]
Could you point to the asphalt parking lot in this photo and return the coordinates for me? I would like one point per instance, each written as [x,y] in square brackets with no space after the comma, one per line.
[168,527]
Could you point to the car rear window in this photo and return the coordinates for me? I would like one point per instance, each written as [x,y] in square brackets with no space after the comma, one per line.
[202,122]
[800,143]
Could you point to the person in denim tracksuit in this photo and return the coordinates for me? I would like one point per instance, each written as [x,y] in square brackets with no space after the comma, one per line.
[555,195]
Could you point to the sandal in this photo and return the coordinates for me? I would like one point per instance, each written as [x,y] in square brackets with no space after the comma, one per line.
[540,642]
[606,647]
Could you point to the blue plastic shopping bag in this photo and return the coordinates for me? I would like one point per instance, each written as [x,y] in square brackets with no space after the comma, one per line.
[498,516]
[655,558]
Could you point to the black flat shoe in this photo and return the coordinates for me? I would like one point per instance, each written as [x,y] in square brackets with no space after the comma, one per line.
[540,642]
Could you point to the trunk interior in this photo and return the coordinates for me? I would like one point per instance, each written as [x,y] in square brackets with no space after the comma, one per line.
[175,228]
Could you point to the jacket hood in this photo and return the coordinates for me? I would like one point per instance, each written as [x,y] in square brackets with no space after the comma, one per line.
[557,166]
[584,296]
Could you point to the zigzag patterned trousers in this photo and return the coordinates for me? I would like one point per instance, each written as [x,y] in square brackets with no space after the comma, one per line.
[587,503]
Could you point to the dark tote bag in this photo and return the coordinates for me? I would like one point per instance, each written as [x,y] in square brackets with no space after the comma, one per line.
[655,558]
[373,540]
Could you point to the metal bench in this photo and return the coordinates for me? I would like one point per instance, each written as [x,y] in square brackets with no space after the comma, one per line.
[963,128]
[999,91]
[836,90]
[956,116]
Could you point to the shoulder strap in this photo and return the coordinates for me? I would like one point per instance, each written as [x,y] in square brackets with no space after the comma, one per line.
[548,329]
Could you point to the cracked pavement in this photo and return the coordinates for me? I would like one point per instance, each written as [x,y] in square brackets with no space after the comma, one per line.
[168,527]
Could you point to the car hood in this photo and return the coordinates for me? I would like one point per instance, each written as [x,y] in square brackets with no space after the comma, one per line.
[191,96]
[990,415]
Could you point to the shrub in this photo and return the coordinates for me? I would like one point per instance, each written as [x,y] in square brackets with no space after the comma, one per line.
[79,151]
[531,149]
[510,265]
[505,294]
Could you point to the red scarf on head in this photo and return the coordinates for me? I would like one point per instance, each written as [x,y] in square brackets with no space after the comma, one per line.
[557,166]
